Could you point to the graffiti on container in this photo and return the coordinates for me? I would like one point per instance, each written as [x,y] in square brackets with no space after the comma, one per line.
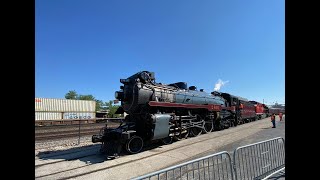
[76,116]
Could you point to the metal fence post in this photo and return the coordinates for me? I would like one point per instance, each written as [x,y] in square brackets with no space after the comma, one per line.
[79,132]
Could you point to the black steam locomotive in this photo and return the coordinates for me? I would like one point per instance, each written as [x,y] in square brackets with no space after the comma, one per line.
[169,112]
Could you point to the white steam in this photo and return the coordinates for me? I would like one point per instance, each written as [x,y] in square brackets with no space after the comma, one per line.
[219,84]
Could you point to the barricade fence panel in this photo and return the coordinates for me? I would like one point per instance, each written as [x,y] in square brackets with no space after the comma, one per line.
[253,161]
[215,166]
[256,161]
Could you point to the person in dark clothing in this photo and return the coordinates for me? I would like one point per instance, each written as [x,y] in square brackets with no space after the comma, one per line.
[273,120]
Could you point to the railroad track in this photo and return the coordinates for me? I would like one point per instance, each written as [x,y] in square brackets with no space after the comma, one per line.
[51,133]
[74,126]
[59,132]
[65,134]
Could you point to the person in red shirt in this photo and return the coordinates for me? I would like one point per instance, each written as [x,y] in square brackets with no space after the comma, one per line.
[280,116]
[273,120]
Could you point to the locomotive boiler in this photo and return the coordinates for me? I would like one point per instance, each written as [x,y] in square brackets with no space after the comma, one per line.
[165,112]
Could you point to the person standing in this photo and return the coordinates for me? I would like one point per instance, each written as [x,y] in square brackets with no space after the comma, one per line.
[273,120]
[280,116]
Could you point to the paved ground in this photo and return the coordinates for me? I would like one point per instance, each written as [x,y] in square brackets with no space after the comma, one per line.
[265,133]
[91,165]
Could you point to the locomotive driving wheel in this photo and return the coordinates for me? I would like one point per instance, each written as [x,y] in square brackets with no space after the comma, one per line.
[134,144]
[208,126]
[219,125]
[195,131]
[239,120]
[183,134]
[234,122]
[167,140]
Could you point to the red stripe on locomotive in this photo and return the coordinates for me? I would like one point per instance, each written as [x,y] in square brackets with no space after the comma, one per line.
[210,107]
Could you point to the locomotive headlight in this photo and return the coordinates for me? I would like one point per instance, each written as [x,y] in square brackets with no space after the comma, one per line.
[118,95]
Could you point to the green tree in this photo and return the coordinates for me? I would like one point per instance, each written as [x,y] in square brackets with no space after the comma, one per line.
[108,104]
[112,109]
[99,105]
[86,97]
[71,95]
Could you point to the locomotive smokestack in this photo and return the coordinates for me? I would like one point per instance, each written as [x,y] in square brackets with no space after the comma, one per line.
[219,84]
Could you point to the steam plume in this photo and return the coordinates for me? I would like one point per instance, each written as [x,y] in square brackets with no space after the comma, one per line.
[219,84]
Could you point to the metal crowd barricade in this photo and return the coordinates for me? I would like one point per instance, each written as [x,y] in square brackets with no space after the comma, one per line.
[215,166]
[259,160]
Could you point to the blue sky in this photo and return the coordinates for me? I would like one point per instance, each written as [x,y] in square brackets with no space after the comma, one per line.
[87,46]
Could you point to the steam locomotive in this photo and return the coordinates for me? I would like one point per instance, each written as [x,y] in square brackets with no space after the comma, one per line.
[159,112]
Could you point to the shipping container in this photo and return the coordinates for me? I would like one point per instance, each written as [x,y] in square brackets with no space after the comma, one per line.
[48,115]
[64,105]
[64,115]
[79,115]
